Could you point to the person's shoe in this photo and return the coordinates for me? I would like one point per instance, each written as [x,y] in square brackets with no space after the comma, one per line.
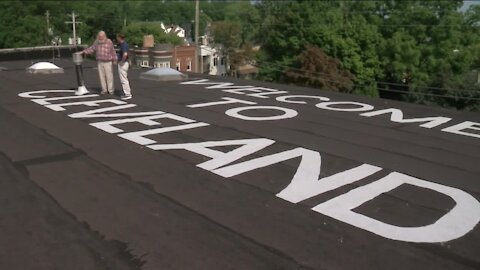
[103,93]
[82,90]
[125,97]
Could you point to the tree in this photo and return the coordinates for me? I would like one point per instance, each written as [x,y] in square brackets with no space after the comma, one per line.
[136,31]
[423,49]
[428,49]
[289,26]
[17,24]
[229,35]
[313,67]
[247,16]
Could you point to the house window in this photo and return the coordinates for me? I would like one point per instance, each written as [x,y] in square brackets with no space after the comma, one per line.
[178,64]
[215,61]
[139,63]
[189,64]
[145,63]
[162,64]
[222,61]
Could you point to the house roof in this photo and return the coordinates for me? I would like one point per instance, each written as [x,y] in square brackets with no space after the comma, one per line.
[229,179]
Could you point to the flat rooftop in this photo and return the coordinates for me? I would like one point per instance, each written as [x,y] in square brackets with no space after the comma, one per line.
[222,173]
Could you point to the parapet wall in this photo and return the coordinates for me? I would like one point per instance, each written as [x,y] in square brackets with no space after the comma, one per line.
[42,52]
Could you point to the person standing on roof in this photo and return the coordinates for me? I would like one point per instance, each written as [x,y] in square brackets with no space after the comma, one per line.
[123,65]
[106,55]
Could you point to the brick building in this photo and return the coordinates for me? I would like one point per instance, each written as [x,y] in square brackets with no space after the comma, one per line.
[181,58]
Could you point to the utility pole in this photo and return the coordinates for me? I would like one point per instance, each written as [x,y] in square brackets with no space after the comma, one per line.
[47,15]
[74,22]
[197,26]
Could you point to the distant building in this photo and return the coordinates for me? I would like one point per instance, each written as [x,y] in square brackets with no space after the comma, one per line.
[177,30]
[181,58]
[242,64]
[141,57]
[213,61]
[162,56]
[246,71]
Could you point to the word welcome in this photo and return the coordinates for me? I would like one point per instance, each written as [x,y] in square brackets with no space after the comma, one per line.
[306,182]
[466,128]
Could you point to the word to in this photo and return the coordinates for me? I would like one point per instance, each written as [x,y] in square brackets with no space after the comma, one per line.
[466,128]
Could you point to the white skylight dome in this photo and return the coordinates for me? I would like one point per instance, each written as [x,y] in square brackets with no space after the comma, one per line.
[44,68]
[163,74]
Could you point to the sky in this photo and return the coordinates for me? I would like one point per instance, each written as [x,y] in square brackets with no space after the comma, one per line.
[468,3]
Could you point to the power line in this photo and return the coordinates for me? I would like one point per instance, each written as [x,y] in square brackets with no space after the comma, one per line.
[389,90]
[374,25]
[320,74]
[470,91]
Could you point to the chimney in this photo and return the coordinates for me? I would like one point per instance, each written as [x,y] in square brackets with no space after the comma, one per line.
[148,41]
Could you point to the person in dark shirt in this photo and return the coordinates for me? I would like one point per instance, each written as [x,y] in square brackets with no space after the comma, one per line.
[123,66]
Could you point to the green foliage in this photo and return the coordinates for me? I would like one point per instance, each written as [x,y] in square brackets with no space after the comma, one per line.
[424,49]
[19,19]
[136,31]
[228,34]
[289,26]
[430,49]
[247,17]
[18,24]
[316,69]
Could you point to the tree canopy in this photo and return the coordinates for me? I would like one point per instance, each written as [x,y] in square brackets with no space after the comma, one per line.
[136,31]
[419,51]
